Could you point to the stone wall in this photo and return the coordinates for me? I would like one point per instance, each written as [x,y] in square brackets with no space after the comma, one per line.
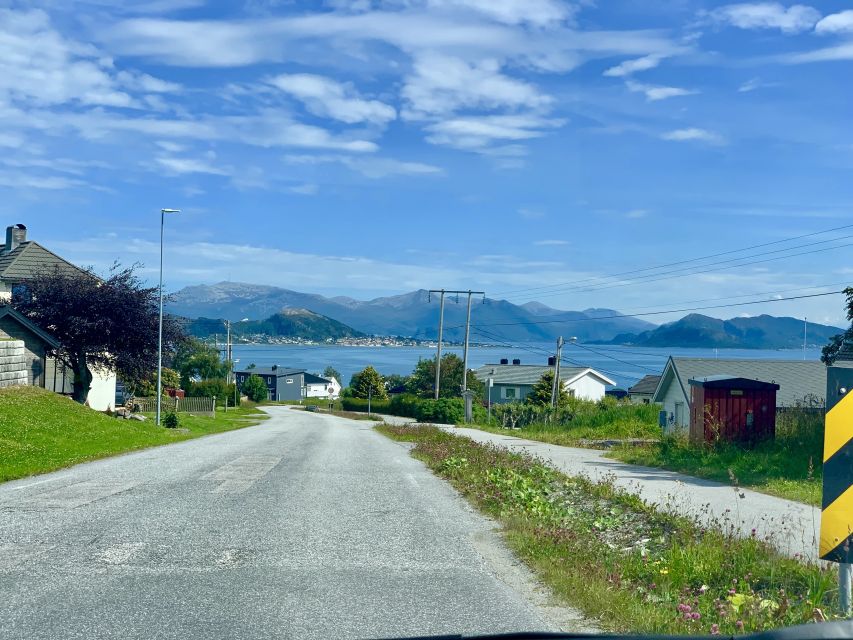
[13,363]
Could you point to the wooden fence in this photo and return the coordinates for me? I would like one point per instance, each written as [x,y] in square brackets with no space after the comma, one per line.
[178,405]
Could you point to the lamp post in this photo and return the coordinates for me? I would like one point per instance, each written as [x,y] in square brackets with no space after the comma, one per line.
[163,213]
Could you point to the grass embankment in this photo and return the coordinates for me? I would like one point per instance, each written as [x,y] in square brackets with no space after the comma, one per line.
[619,560]
[789,466]
[41,431]
[585,420]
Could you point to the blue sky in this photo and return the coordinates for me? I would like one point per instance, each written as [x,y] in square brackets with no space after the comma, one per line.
[372,147]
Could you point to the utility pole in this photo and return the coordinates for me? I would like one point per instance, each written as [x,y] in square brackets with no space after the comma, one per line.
[555,389]
[465,349]
[805,330]
[440,329]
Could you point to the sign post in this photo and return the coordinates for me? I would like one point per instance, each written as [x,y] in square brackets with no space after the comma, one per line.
[836,523]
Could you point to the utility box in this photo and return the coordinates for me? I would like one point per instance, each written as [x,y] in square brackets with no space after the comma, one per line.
[732,409]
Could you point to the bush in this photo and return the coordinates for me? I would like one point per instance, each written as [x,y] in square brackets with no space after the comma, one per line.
[170,420]
[213,387]
[256,389]
[360,404]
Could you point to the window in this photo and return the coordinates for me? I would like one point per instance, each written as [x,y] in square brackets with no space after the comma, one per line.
[509,393]
[289,381]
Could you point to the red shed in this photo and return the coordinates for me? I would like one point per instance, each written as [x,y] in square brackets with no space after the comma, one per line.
[742,410]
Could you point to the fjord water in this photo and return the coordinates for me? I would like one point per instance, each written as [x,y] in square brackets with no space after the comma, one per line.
[625,365]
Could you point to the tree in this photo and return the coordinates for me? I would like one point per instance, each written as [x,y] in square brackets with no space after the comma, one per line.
[422,380]
[255,388]
[367,380]
[330,372]
[105,324]
[540,394]
[197,360]
[830,352]
[171,379]
[395,380]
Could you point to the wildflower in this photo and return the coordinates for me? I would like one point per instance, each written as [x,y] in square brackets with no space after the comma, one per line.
[652,585]
[703,589]
[695,616]
[739,625]
[715,629]
[683,608]
[663,572]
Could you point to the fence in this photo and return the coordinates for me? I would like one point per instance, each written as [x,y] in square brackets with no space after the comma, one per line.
[178,405]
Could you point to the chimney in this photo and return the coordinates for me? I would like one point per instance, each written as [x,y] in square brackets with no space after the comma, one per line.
[15,235]
[552,361]
[504,361]
[275,367]
[516,361]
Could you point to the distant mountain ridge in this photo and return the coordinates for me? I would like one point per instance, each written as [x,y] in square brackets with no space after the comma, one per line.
[413,314]
[289,323]
[758,332]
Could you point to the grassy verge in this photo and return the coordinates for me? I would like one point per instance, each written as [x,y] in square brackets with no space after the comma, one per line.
[41,431]
[789,466]
[619,560]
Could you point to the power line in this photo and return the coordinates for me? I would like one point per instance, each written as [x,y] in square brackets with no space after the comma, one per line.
[657,277]
[605,355]
[671,264]
[657,313]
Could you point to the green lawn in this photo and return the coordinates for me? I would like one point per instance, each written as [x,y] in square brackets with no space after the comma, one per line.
[41,431]
[619,560]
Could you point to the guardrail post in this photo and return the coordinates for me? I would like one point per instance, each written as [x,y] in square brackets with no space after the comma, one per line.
[177,403]
[845,571]
[213,409]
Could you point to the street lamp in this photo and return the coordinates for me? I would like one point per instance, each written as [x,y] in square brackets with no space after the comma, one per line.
[163,213]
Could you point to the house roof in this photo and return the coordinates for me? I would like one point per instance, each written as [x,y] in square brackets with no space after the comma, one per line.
[529,374]
[8,312]
[269,371]
[29,258]
[646,385]
[310,378]
[797,379]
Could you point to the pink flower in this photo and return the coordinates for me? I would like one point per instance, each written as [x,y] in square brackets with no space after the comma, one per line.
[715,629]
[696,615]
[739,625]
[683,608]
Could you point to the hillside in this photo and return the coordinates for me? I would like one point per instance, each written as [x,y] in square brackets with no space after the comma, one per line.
[288,323]
[413,314]
[759,332]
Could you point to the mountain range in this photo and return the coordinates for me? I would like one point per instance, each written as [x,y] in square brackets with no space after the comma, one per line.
[288,323]
[415,314]
[758,332]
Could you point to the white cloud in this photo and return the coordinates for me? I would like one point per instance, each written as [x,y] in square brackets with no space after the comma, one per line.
[12,140]
[477,133]
[550,243]
[307,189]
[693,134]
[654,92]
[632,66]
[181,166]
[137,81]
[635,214]
[535,12]
[531,214]
[767,15]
[841,22]
[370,167]
[842,51]
[328,98]
[441,84]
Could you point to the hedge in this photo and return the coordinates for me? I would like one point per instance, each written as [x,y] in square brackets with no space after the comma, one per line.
[443,410]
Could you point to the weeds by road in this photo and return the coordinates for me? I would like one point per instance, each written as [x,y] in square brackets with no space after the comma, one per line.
[633,567]
[41,431]
[788,467]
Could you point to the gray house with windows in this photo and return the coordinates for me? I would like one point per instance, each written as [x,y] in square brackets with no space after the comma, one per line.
[282,383]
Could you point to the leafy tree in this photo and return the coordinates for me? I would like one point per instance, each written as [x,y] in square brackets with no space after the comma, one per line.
[255,388]
[330,372]
[422,380]
[148,387]
[214,388]
[540,394]
[830,352]
[366,380]
[105,324]
[197,360]
[395,380]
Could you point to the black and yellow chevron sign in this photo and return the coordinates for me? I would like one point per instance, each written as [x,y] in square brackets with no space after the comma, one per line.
[836,523]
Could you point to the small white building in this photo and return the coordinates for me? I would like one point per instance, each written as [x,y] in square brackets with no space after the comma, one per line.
[512,382]
[317,387]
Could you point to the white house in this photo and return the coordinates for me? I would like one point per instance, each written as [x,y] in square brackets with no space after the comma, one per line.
[317,387]
[19,260]
[512,382]
[801,382]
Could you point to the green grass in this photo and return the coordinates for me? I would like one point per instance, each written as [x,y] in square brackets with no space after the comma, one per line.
[789,466]
[41,431]
[619,560]
[590,421]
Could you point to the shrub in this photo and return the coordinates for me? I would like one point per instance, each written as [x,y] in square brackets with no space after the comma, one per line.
[360,404]
[170,420]
[256,389]
[213,387]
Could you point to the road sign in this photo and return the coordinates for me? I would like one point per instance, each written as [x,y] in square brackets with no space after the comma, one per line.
[836,523]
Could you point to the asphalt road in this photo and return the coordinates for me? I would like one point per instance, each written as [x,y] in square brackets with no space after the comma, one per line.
[306,526]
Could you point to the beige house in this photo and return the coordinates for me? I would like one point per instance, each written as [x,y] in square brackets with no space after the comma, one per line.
[20,260]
